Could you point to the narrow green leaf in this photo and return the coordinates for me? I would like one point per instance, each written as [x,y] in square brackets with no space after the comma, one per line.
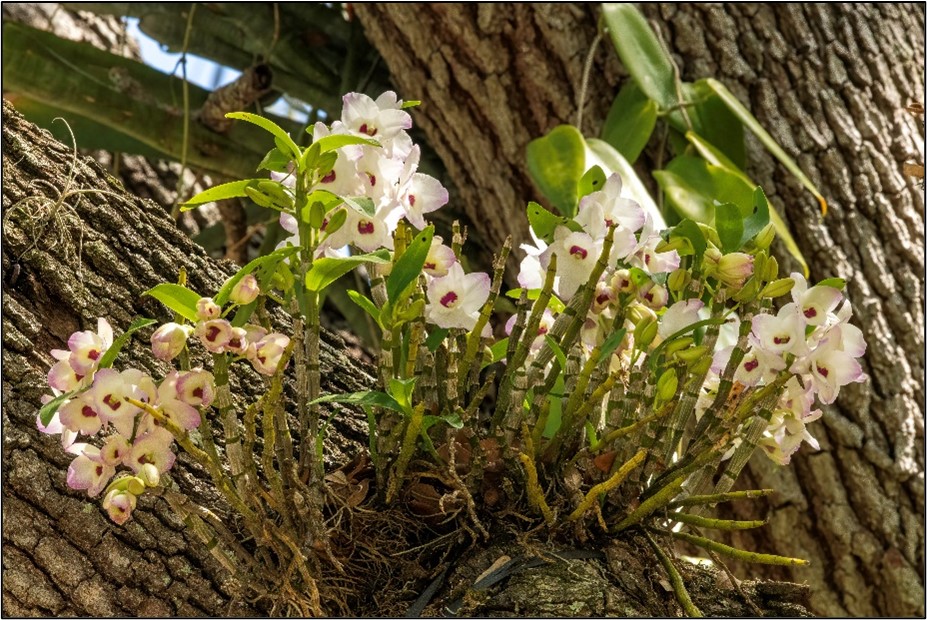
[630,121]
[837,283]
[268,125]
[47,412]
[641,53]
[556,163]
[177,298]
[326,270]
[337,141]
[730,226]
[435,338]
[611,343]
[712,119]
[365,304]
[555,413]
[756,221]
[410,264]
[370,398]
[235,189]
[714,156]
[768,141]
[558,352]
[110,356]
[268,260]
[592,181]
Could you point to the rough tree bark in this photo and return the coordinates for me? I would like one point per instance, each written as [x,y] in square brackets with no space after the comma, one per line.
[69,258]
[830,82]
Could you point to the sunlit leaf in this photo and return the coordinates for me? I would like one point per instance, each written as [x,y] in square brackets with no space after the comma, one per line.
[326,270]
[556,163]
[177,298]
[410,264]
[235,189]
[285,143]
[630,121]
[729,223]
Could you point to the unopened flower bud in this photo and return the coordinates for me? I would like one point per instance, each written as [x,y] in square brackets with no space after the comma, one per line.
[749,291]
[701,366]
[169,340]
[638,312]
[207,309]
[678,345]
[654,296]
[678,280]
[765,237]
[735,268]
[667,384]
[693,354]
[135,485]
[119,505]
[149,475]
[245,290]
[778,288]
[645,332]
[771,270]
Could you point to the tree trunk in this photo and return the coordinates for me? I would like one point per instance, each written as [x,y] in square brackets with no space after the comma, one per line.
[830,83]
[69,258]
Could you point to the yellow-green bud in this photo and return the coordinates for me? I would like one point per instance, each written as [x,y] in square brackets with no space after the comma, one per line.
[259,198]
[771,272]
[275,192]
[749,291]
[135,485]
[678,280]
[735,268]
[667,384]
[675,243]
[316,214]
[765,237]
[678,345]
[701,366]
[778,288]
[336,221]
[645,332]
[693,354]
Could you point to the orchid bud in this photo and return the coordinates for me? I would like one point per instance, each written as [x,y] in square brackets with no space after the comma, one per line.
[778,288]
[654,295]
[771,271]
[765,237]
[148,474]
[245,290]
[119,505]
[735,268]
[135,485]
[701,366]
[645,332]
[169,340]
[335,222]
[316,215]
[207,309]
[622,281]
[667,384]
[693,354]
[678,345]
[678,280]
[638,312]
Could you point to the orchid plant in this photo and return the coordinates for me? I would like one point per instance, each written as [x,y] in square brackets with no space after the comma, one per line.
[640,369]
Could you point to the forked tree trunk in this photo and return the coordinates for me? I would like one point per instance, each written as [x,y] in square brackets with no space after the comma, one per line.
[830,82]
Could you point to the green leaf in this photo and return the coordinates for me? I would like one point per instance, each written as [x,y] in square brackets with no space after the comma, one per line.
[558,352]
[409,266]
[771,145]
[275,160]
[712,155]
[630,121]
[592,181]
[641,53]
[337,141]
[837,283]
[638,276]
[690,230]
[730,226]
[435,338]
[556,163]
[401,390]
[177,298]
[369,398]
[326,270]
[611,343]
[268,260]
[235,189]
[756,221]
[285,141]
[543,222]
[712,119]
[631,187]
[365,303]
[554,304]
[692,187]
[110,356]
[47,412]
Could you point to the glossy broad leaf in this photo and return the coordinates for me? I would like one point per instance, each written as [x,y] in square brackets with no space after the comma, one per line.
[630,121]
[409,266]
[543,222]
[177,298]
[592,181]
[712,119]
[729,223]
[326,270]
[556,163]
[641,52]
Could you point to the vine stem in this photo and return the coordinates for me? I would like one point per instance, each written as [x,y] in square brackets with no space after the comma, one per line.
[185,144]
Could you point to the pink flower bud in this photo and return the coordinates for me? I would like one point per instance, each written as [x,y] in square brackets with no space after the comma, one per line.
[245,290]
[268,352]
[735,268]
[207,309]
[119,505]
[169,340]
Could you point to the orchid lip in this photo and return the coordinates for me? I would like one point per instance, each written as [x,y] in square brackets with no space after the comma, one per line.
[578,252]
[449,299]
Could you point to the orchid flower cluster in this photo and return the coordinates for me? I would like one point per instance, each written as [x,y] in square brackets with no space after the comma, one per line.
[640,367]
[135,417]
